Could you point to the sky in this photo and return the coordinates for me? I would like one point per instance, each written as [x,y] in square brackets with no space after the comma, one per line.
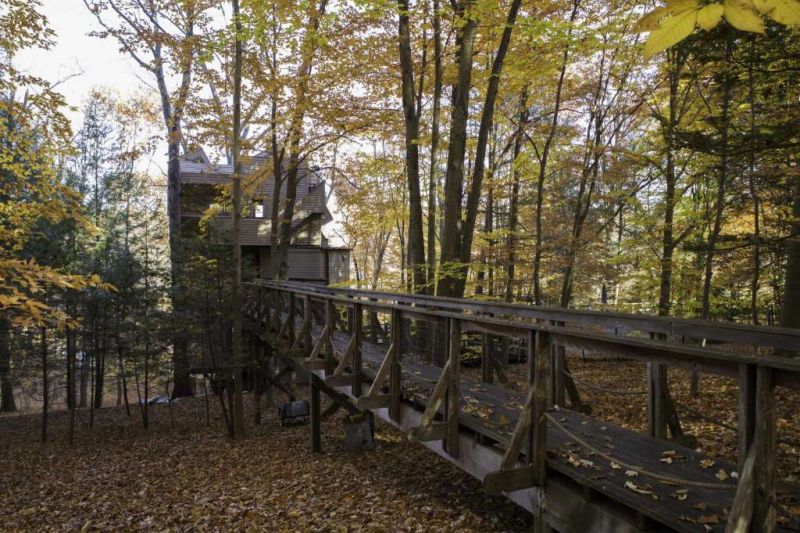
[82,62]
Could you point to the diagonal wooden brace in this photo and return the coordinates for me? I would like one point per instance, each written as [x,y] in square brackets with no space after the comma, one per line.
[434,402]
[366,401]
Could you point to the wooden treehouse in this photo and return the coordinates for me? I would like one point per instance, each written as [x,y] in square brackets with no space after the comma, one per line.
[404,359]
[312,258]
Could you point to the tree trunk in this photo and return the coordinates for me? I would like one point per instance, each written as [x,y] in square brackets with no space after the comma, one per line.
[45,385]
[513,208]
[237,362]
[308,47]
[790,314]
[435,119]
[486,126]
[537,248]
[416,244]
[7,403]
[454,178]
[722,178]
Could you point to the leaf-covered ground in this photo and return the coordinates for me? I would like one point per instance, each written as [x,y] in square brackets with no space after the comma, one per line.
[183,475]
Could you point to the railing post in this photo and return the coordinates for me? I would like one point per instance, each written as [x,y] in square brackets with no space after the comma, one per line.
[454,357]
[657,400]
[747,413]
[308,316]
[316,428]
[358,332]
[330,321]
[539,377]
[394,373]
[292,311]
[764,516]
[487,361]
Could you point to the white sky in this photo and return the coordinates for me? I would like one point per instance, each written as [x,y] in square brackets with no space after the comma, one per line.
[99,60]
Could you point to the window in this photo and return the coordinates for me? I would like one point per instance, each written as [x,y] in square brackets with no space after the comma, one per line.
[258,209]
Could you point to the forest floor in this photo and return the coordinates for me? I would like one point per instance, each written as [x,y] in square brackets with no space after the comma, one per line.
[182,474]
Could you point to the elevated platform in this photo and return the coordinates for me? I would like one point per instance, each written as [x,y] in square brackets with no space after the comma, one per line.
[572,471]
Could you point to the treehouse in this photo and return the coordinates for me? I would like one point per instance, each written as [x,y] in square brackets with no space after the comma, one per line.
[312,257]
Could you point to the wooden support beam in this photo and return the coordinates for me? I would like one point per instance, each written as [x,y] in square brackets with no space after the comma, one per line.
[541,387]
[434,402]
[744,501]
[330,327]
[346,357]
[318,346]
[374,401]
[436,431]
[746,419]
[316,427]
[314,364]
[657,400]
[358,339]
[290,321]
[487,360]
[339,380]
[502,481]
[764,515]
[394,368]
[454,362]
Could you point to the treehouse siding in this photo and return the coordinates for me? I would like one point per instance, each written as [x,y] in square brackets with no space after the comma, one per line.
[307,264]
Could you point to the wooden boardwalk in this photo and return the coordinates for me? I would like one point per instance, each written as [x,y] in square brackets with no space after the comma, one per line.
[572,471]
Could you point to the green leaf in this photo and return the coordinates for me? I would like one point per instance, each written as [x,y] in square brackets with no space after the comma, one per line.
[786,12]
[673,30]
[742,17]
[709,16]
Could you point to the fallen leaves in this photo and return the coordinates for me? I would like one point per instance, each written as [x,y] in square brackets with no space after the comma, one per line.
[187,476]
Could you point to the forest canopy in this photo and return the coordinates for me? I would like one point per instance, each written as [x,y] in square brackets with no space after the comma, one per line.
[608,155]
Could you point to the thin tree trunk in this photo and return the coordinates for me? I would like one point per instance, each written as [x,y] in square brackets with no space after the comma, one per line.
[435,119]
[754,195]
[237,362]
[7,403]
[513,208]
[416,244]
[45,385]
[485,128]
[790,313]
[308,47]
[543,159]
[722,179]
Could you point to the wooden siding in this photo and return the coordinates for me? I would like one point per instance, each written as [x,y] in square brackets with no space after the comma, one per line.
[308,264]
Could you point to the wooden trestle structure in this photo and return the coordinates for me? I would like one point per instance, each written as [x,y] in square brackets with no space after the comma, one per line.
[573,472]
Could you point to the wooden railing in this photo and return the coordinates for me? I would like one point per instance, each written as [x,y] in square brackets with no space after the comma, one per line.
[545,332]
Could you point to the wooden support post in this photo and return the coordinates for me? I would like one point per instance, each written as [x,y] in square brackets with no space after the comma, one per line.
[316,429]
[764,516]
[454,362]
[394,369]
[540,381]
[487,360]
[358,332]
[657,400]
[290,320]
[330,321]
[747,413]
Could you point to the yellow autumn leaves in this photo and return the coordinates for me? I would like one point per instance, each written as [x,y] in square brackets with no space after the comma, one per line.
[670,24]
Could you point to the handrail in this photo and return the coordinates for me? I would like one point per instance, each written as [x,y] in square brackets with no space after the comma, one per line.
[716,361]
[743,334]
